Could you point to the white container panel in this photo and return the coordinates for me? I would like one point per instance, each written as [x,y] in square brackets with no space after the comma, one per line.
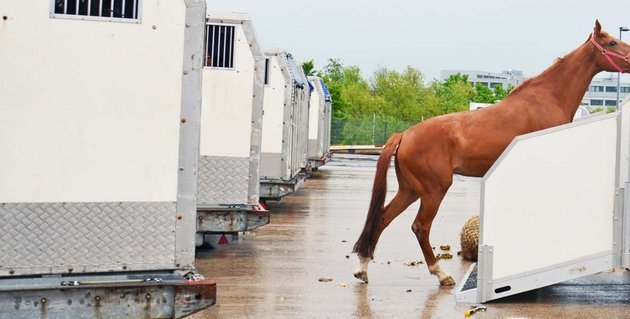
[273,108]
[81,132]
[624,146]
[314,113]
[227,104]
[550,199]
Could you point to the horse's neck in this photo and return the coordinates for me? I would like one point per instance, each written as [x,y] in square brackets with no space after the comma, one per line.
[563,84]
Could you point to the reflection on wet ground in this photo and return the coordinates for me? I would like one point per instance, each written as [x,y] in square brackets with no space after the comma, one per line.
[274,271]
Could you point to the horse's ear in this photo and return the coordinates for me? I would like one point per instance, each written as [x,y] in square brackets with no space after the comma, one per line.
[598,28]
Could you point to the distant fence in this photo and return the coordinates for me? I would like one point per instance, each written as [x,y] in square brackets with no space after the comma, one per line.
[367,131]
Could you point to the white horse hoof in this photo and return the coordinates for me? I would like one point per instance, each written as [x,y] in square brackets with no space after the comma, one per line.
[361,275]
[447,281]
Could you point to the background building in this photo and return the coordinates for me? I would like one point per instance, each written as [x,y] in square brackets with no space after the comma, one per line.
[602,92]
[488,79]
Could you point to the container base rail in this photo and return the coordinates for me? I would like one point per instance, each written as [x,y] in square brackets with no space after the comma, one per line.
[232,219]
[316,163]
[276,189]
[129,295]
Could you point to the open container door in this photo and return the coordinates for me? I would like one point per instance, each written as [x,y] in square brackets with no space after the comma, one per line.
[99,134]
[544,217]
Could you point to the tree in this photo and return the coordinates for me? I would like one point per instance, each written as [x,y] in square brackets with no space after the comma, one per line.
[453,94]
[309,67]
[333,76]
[483,94]
[333,71]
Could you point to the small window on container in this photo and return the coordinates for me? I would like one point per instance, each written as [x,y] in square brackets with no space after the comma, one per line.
[266,71]
[219,46]
[111,10]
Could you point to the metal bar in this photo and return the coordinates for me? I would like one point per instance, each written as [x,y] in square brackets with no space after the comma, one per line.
[214,52]
[123,9]
[625,227]
[189,136]
[225,31]
[111,8]
[484,274]
[100,8]
[89,8]
[76,8]
[228,48]
[65,6]
[618,77]
[617,224]
[135,8]
[231,62]
[205,53]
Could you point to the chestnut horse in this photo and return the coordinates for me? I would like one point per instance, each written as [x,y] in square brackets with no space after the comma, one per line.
[468,143]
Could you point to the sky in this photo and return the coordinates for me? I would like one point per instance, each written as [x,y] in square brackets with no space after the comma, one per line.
[431,36]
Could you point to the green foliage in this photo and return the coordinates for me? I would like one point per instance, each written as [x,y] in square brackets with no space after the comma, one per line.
[333,75]
[401,95]
[367,111]
[309,67]
[365,131]
[453,95]
[608,109]
[483,94]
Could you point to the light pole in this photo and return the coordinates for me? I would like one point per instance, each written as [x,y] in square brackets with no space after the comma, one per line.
[621,29]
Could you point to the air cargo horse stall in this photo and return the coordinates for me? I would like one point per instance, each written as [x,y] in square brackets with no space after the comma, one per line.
[231,126]
[320,114]
[544,218]
[284,157]
[99,131]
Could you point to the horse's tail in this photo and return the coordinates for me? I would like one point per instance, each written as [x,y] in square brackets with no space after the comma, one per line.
[364,247]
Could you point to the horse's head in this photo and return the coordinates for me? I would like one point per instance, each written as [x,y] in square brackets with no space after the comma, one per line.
[615,55]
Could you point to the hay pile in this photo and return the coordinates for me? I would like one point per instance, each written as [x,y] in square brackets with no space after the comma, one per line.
[469,239]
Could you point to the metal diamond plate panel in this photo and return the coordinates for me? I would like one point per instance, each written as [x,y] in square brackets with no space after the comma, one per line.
[223,180]
[271,165]
[314,149]
[45,238]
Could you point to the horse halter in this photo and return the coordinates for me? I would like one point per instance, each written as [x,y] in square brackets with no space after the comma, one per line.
[607,54]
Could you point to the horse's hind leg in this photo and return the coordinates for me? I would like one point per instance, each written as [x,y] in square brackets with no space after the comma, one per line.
[399,203]
[430,202]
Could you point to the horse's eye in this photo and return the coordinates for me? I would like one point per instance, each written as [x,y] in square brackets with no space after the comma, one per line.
[613,43]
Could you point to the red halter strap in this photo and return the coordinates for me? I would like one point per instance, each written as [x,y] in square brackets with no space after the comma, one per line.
[607,54]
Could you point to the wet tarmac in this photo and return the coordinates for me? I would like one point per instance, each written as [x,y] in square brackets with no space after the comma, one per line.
[275,271]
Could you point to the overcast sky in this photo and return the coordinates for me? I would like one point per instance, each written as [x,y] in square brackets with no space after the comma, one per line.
[438,35]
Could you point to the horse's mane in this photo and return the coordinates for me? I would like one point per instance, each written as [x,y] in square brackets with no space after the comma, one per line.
[557,62]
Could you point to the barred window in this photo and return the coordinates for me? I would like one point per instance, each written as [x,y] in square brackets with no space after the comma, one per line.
[123,9]
[219,46]
[267,71]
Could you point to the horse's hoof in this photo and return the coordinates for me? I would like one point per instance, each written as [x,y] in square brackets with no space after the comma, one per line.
[361,275]
[447,281]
